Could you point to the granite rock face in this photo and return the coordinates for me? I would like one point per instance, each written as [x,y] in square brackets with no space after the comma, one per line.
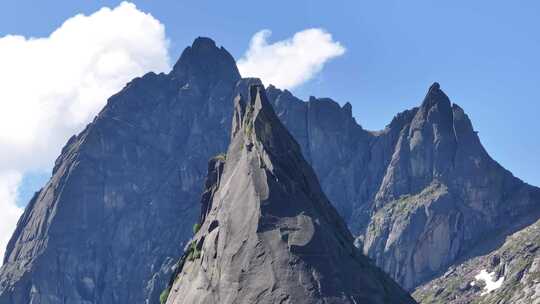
[334,144]
[123,196]
[107,228]
[269,235]
[441,195]
[420,194]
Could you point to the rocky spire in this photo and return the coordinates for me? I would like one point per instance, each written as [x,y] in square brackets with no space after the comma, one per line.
[441,194]
[435,109]
[271,236]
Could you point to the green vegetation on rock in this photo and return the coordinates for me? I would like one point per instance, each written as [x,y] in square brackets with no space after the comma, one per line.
[164,295]
[196,228]
[193,252]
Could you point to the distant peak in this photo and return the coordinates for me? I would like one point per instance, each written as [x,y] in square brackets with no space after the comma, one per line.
[435,96]
[347,107]
[206,64]
[203,42]
[435,89]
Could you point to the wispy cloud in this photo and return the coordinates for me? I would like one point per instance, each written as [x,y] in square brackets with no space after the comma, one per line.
[51,87]
[291,62]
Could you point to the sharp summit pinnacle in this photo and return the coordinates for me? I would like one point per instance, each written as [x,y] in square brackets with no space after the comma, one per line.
[270,235]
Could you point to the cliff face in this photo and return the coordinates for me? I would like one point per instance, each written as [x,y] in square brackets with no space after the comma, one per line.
[420,194]
[268,234]
[122,198]
[335,145]
[441,195]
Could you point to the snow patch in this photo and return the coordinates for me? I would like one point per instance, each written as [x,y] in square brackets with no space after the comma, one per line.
[488,278]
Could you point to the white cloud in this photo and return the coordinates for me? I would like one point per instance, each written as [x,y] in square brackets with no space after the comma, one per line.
[291,62]
[9,211]
[51,87]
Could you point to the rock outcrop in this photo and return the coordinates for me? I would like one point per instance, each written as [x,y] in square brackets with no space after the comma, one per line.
[268,233]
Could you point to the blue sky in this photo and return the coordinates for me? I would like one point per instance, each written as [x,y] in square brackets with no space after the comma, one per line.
[485,54]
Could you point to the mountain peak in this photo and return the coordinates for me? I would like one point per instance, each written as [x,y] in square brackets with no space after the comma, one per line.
[204,63]
[259,123]
[245,112]
[436,109]
[259,104]
[268,224]
[435,96]
[203,42]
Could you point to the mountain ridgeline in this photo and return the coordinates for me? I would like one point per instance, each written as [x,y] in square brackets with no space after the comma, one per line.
[420,197]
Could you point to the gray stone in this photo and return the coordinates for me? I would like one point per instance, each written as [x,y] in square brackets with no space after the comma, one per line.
[277,238]
[519,271]
[419,196]
[122,199]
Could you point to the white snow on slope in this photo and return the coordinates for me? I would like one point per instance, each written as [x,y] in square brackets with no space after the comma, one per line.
[488,278]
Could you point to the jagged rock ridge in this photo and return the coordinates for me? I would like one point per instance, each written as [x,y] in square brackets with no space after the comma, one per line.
[419,194]
[268,234]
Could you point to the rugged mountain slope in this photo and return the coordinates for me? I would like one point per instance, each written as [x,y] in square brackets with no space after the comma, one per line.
[418,194]
[513,275]
[268,234]
[441,195]
[422,187]
[132,177]
[123,195]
